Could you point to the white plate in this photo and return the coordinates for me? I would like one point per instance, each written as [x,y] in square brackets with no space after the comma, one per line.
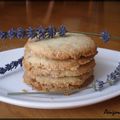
[106,61]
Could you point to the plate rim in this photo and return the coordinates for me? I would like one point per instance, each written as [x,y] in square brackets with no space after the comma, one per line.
[59,105]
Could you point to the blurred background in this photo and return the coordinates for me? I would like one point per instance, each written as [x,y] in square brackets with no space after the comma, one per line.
[85,16]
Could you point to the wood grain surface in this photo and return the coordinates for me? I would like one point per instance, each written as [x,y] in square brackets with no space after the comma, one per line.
[90,16]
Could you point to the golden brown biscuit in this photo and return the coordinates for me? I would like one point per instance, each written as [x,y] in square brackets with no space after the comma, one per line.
[58,84]
[34,69]
[51,64]
[73,46]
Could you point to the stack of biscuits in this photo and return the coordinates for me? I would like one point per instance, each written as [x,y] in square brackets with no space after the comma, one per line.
[59,64]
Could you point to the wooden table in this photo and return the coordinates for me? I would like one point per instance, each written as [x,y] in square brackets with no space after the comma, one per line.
[77,16]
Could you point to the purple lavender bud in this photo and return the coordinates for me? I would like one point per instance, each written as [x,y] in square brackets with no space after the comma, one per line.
[12,64]
[20,61]
[20,33]
[111,79]
[41,32]
[15,64]
[8,67]
[31,33]
[3,35]
[119,64]
[118,77]
[117,71]
[118,68]
[2,70]
[98,85]
[62,30]
[12,33]
[105,36]
[51,31]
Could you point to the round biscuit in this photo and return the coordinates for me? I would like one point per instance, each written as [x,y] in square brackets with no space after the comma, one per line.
[72,46]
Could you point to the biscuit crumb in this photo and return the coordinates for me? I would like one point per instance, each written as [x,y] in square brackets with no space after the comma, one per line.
[24,90]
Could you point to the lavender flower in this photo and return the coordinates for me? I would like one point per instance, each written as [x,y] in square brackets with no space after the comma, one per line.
[31,33]
[41,32]
[98,85]
[2,70]
[8,67]
[118,69]
[111,80]
[117,77]
[114,76]
[12,65]
[12,33]
[20,61]
[105,36]
[3,35]
[20,33]
[51,32]
[62,30]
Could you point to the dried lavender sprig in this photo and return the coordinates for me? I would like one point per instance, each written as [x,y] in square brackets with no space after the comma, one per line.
[11,66]
[48,92]
[98,85]
[114,77]
[105,36]
[50,32]
[41,33]
[62,30]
